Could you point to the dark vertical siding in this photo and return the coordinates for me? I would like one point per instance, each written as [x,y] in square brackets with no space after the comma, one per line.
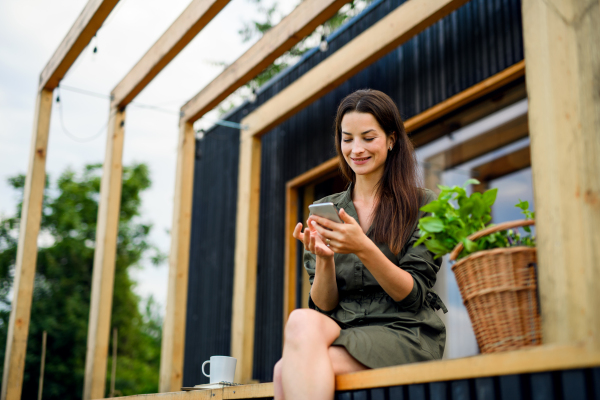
[478,40]
[208,321]
[568,385]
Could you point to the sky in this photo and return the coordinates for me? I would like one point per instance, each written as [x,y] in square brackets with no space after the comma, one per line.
[30,32]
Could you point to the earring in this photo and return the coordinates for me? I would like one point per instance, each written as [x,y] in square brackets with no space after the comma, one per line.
[390,148]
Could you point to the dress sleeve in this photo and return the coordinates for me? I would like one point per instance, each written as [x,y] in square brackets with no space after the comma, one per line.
[418,261]
[310,264]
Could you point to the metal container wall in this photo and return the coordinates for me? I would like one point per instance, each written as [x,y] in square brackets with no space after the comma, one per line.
[478,40]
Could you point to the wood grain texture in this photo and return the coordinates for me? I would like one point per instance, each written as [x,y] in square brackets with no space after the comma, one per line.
[191,21]
[246,253]
[18,326]
[104,259]
[259,391]
[301,22]
[291,253]
[396,28]
[563,82]
[83,30]
[542,358]
[173,336]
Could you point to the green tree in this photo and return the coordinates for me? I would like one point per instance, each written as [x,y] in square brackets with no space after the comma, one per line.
[62,289]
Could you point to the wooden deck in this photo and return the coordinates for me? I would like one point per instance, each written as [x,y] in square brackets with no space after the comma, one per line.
[535,360]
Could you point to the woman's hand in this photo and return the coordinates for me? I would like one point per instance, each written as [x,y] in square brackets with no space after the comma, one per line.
[341,238]
[312,241]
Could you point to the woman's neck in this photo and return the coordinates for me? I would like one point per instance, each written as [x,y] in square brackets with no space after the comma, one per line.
[365,188]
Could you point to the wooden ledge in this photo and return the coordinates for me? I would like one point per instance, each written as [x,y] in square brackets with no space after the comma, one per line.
[540,359]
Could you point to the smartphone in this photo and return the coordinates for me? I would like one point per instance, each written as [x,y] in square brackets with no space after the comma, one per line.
[326,210]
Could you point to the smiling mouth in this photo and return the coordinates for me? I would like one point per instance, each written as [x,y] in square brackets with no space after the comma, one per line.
[360,161]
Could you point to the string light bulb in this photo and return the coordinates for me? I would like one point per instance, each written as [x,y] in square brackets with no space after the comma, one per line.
[323,45]
[252,97]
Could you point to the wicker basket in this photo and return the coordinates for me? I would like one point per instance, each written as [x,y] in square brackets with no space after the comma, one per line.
[499,289]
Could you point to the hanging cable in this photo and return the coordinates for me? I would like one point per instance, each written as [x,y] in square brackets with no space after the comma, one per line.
[69,134]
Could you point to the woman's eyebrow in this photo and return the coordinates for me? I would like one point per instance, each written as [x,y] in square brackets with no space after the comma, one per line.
[370,130]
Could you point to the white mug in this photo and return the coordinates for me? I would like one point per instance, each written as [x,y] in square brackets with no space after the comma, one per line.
[222,369]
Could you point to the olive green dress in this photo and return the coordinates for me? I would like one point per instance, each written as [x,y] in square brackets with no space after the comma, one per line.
[376,330]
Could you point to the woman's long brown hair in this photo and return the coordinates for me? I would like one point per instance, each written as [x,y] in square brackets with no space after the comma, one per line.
[398,192]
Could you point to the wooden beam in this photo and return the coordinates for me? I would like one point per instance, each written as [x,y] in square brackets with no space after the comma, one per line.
[289,272]
[83,30]
[104,259]
[191,21]
[537,359]
[503,135]
[390,32]
[18,326]
[563,62]
[504,165]
[257,391]
[246,253]
[299,23]
[173,336]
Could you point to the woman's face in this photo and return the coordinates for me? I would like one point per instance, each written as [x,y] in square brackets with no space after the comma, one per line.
[364,143]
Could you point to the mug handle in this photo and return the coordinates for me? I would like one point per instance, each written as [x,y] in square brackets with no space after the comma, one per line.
[203,364]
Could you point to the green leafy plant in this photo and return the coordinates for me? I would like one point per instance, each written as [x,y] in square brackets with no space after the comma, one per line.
[455,216]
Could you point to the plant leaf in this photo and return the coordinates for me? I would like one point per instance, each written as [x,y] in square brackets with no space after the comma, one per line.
[471,182]
[431,224]
[489,197]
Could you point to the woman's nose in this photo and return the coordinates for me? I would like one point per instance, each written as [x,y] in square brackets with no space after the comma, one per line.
[357,148]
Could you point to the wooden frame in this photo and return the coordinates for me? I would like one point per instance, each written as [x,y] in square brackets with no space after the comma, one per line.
[191,21]
[84,28]
[299,23]
[503,134]
[501,166]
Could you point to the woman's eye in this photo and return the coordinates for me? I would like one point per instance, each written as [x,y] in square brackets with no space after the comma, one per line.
[369,139]
[346,140]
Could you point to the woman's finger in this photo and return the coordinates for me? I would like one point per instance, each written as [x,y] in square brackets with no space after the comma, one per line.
[306,238]
[325,233]
[298,231]
[346,217]
[324,222]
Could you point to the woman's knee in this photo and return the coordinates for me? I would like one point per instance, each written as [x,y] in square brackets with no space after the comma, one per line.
[277,371]
[305,325]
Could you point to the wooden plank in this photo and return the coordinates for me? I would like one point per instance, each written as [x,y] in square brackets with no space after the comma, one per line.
[289,272]
[503,135]
[561,48]
[299,23]
[104,259]
[191,21]
[486,86]
[83,30]
[259,391]
[504,165]
[538,359]
[18,326]
[396,28]
[173,336]
[246,253]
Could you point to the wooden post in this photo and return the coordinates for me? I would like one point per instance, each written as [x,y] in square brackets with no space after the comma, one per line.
[173,336]
[42,365]
[563,85]
[104,259]
[18,326]
[246,252]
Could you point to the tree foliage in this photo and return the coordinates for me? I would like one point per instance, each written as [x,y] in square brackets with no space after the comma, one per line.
[61,297]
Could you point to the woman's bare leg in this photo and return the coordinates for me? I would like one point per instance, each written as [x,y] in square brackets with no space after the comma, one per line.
[277,387]
[309,363]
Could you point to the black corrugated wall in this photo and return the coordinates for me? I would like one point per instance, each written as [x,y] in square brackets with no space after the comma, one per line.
[478,40]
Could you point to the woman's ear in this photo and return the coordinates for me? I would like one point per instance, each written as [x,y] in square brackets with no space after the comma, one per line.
[391,140]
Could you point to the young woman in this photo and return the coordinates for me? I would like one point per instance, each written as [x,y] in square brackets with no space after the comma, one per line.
[371,303]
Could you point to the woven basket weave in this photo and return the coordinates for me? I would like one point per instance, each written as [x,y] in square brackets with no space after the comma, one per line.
[499,290]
